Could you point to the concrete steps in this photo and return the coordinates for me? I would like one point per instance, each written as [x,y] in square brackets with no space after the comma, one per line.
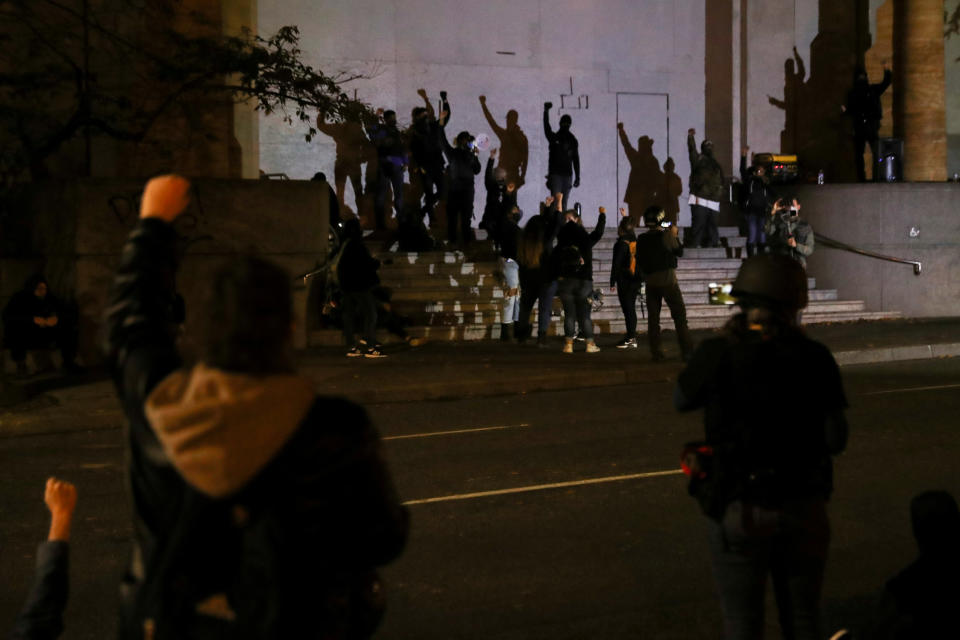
[452,295]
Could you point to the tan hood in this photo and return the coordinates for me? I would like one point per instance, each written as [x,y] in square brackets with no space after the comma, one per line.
[219,428]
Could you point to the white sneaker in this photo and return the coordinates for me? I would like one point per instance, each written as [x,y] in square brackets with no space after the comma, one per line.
[592,347]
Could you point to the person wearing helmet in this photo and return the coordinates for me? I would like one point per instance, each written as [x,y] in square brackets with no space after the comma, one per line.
[657,253]
[462,166]
[774,404]
[706,193]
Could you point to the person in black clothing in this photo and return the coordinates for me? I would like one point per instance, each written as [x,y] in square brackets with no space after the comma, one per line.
[249,490]
[501,199]
[574,266]
[625,277]
[657,253]
[864,108]
[42,615]
[357,278]
[564,161]
[920,601]
[462,166]
[774,403]
[391,159]
[538,278]
[426,148]
[756,200]
[35,319]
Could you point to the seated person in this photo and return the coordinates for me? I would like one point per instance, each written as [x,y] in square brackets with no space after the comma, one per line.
[35,319]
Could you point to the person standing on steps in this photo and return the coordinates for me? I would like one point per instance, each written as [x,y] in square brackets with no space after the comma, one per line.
[865,109]
[625,277]
[564,160]
[574,259]
[707,191]
[538,278]
[657,253]
[756,200]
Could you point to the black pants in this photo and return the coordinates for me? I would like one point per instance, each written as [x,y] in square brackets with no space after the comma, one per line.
[23,338]
[433,189]
[543,294]
[459,213]
[391,176]
[868,133]
[574,294]
[561,184]
[359,307]
[656,295]
[627,294]
[703,227]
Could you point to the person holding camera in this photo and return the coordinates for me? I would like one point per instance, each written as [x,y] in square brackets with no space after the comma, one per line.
[564,160]
[787,234]
[774,418]
[657,253]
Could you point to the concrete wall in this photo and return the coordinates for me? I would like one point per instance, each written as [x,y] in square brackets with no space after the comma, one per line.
[519,53]
[910,221]
[952,62]
[79,228]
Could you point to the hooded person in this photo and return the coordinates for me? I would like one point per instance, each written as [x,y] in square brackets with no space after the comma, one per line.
[706,193]
[563,162]
[36,319]
[260,508]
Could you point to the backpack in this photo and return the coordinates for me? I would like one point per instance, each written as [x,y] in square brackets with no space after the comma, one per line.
[569,261]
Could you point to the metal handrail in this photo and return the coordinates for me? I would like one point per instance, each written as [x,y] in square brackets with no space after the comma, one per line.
[836,244]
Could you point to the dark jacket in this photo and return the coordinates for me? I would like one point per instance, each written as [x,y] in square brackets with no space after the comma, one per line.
[774,404]
[24,306]
[237,480]
[389,142]
[573,234]
[620,264]
[657,253]
[42,614]
[863,101]
[356,268]
[462,166]
[564,159]
[706,174]
[534,277]
[780,228]
[757,197]
[426,145]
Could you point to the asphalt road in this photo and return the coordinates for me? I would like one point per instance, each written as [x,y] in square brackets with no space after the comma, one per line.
[582,527]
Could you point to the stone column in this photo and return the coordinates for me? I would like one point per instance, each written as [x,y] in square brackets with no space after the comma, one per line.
[919,107]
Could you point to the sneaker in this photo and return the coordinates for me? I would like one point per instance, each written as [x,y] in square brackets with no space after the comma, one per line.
[627,343]
[592,347]
[579,336]
[374,352]
[354,352]
[568,345]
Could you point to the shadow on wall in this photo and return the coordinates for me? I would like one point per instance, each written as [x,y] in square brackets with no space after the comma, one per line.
[647,184]
[815,128]
[514,148]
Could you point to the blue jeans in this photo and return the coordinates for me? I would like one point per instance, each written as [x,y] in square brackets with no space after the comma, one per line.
[755,234]
[510,311]
[574,294]
[790,545]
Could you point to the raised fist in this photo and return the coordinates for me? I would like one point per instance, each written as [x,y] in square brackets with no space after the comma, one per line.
[691,132]
[547,106]
[483,99]
[620,126]
[422,93]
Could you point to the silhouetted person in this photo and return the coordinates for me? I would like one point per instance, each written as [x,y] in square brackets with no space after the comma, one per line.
[645,177]
[392,159]
[794,72]
[574,260]
[250,491]
[538,278]
[706,193]
[668,194]
[357,278]
[921,600]
[334,206]
[626,278]
[42,615]
[864,108]
[514,148]
[501,199]
[426,147]
[353,150]
[34,318]
[564,160]
[462,167]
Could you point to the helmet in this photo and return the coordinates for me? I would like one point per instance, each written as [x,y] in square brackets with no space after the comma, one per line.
[771,280]
[653,216]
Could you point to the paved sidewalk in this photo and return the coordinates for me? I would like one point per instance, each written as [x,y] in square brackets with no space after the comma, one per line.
[486,368]
[441,370]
